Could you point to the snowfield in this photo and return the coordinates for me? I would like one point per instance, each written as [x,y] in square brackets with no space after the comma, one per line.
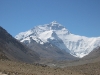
[58,35]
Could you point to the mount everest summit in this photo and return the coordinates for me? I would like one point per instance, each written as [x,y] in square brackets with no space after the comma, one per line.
[57,35]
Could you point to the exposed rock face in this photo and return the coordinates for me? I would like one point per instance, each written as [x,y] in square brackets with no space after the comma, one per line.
[12,49]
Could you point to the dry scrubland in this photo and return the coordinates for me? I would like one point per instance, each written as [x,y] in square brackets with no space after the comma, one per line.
[14,68]
[87,69]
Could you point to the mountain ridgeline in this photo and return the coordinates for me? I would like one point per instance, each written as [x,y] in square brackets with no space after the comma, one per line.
[12,49]
[58,36]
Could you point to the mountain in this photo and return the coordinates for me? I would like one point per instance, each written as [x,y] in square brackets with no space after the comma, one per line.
[89,64]
[57,35]
[47,51]
[93,55]
[12,49]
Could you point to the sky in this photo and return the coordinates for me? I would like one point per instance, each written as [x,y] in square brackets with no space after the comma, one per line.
[81,17]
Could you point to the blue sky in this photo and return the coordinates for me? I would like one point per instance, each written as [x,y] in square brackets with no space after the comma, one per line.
[81,17]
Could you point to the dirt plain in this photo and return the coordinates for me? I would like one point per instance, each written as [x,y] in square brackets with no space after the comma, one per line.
[18,68]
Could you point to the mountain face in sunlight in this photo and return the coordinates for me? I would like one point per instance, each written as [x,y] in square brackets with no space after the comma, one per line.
[59,36]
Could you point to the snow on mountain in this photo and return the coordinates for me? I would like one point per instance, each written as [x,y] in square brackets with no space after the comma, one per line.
[58,35]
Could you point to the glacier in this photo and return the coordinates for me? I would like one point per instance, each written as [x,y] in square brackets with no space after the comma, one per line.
[58,35]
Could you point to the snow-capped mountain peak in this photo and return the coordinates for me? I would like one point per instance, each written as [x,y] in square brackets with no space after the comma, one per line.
[54,22]
[58,35]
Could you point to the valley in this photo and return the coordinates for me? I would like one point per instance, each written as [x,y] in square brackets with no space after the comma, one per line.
[49,37]
[44,50]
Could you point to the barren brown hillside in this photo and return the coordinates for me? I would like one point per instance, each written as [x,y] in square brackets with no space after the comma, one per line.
[87,69]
